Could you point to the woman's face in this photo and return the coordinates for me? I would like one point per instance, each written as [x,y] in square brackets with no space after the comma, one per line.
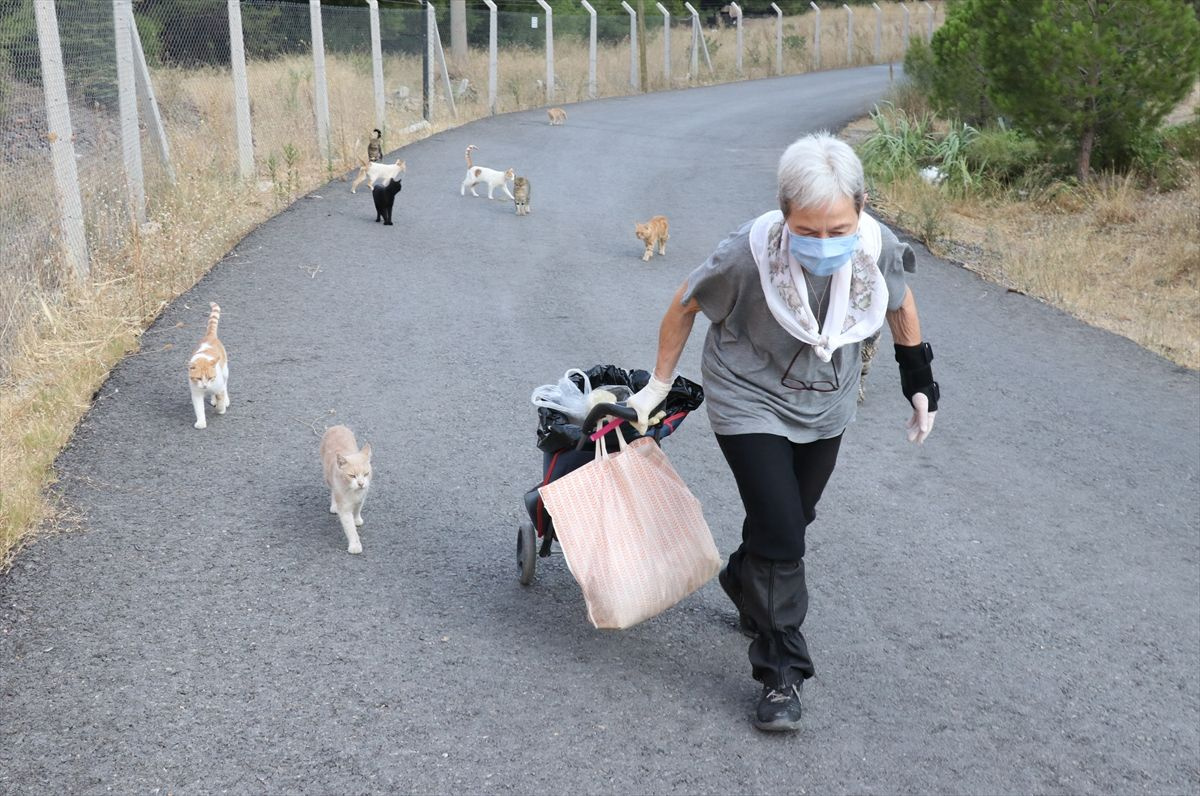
[828,221]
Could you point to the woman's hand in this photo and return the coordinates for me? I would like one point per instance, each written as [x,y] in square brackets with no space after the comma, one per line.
[646,400]
[921,422]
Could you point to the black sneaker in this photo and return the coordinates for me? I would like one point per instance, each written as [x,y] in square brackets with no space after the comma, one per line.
[735,596]
[779,708]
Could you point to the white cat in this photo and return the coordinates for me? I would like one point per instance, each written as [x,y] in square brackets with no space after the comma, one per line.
[208,370]
[477,174]
[348,474]
[377,172]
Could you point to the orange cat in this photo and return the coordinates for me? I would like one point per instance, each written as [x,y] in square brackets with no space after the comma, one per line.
[653,232]
[348,474]
[208,370]
[557,115]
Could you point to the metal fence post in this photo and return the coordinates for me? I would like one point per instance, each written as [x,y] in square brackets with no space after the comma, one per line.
[549,49]
[427,65]
[666,44]
[738,11]
[816,34]
[633,45]
[376,65]
[878,31]
[694,71]
[929,16]
[241,91]
[149,102]
[778,38]
[321,91]
[131,136]
[62,147]
[591,49]
[492,79]
[904,29]
[435,36]
[849,35]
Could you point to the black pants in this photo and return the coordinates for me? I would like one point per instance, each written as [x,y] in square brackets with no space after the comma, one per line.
[780,483]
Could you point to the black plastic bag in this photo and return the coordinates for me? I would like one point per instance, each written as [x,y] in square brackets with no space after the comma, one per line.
[555,431]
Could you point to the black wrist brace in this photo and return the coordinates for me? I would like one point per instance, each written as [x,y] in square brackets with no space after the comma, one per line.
[916,372]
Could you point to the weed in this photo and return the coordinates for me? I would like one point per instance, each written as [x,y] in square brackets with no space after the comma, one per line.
[900,144]
[950,155]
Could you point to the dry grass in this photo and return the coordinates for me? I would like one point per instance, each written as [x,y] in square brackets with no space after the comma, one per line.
[59,340]
[1113,254]
[1119,258]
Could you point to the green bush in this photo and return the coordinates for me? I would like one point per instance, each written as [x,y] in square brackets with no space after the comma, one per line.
[1001,155]
[905,96]
[1184,139]
[1165,156]
[959,83]
[950,156]
[919,66]
[900,145]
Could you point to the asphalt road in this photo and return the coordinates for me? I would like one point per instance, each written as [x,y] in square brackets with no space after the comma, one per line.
[1013,608]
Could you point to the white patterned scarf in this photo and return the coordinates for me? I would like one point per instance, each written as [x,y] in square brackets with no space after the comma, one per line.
[858,294]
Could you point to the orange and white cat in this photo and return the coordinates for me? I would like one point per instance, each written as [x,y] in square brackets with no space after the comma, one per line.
[492,178]
[208,370]
[557,115]
[651,233]
[348,474]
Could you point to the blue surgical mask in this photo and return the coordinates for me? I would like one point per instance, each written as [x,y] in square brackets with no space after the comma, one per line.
[822,256]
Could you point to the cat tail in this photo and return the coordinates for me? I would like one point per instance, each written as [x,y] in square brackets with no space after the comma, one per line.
[469,163]
[214,318]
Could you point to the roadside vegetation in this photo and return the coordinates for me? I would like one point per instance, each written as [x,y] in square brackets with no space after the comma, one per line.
[1075,179]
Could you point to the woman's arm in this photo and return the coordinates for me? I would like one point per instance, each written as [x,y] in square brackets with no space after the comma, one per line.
[916,372]
[904,322]
[673,334]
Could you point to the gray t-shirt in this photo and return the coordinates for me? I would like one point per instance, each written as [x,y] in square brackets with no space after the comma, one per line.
[749,358]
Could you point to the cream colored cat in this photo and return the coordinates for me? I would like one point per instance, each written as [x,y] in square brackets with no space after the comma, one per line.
[208,370]
[651,233]
[557,115]
[376,172]
[348,474]
[491,177]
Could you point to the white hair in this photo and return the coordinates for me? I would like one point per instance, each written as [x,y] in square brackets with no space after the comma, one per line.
[817,170]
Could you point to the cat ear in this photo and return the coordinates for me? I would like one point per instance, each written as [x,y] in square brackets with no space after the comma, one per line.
[341,460]
[366,451]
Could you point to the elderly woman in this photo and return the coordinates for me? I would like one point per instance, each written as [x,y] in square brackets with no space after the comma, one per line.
[791,296]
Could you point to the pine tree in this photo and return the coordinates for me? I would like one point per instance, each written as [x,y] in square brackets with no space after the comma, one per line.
[1093,75]
[959,82]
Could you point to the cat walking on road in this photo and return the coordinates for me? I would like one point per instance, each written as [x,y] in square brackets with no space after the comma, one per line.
[208,370]
[348,474]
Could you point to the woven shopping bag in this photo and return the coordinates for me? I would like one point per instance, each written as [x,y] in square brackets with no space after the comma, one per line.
[632,534]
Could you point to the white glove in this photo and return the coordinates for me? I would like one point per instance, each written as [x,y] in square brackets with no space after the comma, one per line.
[646,400]
[921,422]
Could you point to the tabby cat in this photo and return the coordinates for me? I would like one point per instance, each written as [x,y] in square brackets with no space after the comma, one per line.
[557,115]
[521,195]
[375,146]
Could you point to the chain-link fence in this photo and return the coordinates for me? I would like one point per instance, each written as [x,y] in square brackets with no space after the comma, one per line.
[191,146]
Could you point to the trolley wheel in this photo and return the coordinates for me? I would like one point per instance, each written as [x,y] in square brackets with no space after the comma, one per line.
[526,552]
